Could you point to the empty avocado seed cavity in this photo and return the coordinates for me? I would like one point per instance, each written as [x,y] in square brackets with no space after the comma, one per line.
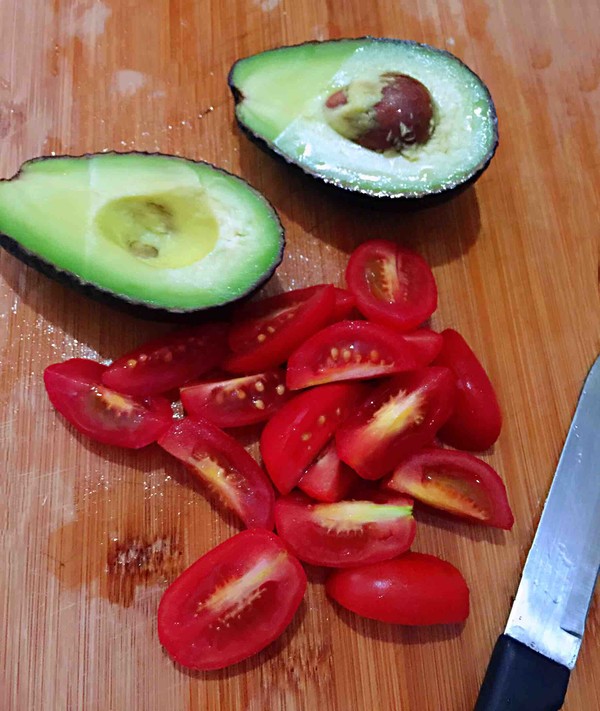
[169,230]
[390,113]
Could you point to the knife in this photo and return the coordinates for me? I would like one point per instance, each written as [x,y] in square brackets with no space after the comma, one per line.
[531,662]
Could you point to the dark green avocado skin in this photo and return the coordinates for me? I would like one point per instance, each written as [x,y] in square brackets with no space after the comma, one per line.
[381,202]
[139,309]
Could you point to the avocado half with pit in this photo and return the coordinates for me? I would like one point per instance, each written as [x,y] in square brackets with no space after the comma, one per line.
[379,117]
[158,235]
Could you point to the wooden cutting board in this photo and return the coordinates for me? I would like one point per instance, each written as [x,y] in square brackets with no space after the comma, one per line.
[91,535]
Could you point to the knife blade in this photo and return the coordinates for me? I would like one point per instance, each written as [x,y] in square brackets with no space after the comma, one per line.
[531,662]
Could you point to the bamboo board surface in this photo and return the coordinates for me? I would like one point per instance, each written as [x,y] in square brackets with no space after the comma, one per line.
[516,261]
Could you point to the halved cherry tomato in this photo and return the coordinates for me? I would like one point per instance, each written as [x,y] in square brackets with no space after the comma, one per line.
[232,602]
[349,350]
[234,402]
[75,389]
[296,434]
[427,344]
[397,419]
[220,461]
[476,421]
[414,589]
[328,478]
[276,327]
[456,482]
[166,363]
[391,285]
[345,533]
[250,318]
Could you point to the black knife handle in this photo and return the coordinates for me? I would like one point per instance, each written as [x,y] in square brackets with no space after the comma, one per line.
[519,679]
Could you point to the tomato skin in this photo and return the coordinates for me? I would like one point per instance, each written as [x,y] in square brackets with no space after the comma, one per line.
[75,389]
[202,628]
[328,479]
[266,341]
[235,402]
[349,350]
[165,363]
[456,482]
[296,434]
[427,344]
[309,529]
[414,589]
[220,461]
[397,419]
[391,285]
[477,420]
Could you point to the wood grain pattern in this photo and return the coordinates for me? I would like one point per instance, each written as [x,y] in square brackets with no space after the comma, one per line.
[516,259]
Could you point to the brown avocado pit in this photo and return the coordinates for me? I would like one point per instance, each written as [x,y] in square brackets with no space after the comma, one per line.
[389,114]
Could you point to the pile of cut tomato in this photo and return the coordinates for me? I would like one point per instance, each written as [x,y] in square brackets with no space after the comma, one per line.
[365,411]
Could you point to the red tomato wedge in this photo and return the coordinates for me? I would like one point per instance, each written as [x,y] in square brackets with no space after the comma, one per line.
[279,325]
[400,417]
[456,482]
[220,462]
[75,389]
[166,363]
[235,402]
[296,434]
[328,478]
[391,285]
[250,318]
[414,589]
[349,350]
[476,421]
[427,344]
[344,533]
[232,602]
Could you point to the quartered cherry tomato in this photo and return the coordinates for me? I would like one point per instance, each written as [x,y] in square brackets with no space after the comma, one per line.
[75,389]
[349,350]
[344,533]
[220,462]
[476,421]
[427,344]
[232,602]
[266,332]
[456,482]
[328,478]
[395,420]
[296,434]
[168,362]
[414,589]
[391,285]
[234,402]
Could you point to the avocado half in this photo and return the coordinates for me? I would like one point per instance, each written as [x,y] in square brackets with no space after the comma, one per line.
[317,104]
[157,235]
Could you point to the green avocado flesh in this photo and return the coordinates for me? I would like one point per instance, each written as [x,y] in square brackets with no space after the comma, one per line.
[154,230]
[281,97]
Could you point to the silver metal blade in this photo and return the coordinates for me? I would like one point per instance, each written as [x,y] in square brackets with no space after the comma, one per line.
[559,576]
